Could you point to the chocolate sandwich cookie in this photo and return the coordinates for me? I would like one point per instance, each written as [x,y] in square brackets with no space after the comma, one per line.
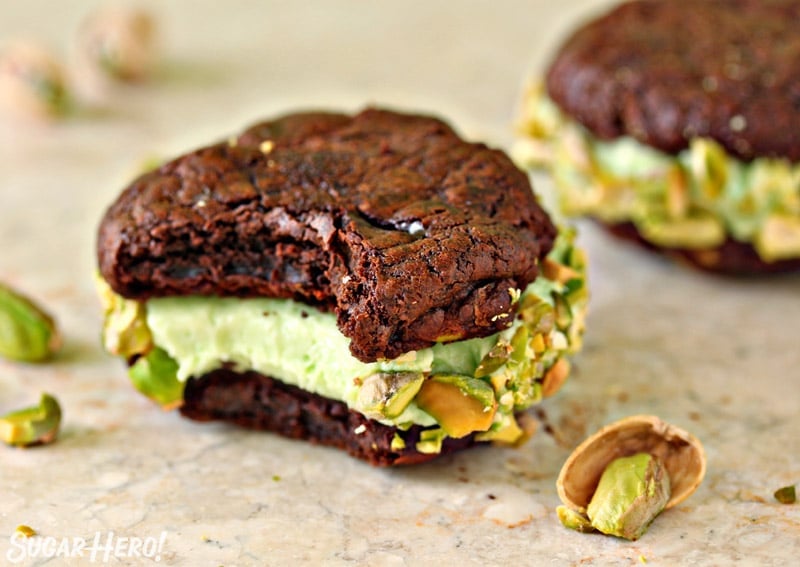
[342,278]
[680,120]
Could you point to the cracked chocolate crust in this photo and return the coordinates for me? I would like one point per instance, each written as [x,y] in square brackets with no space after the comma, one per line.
[731,257]
[409,234]
[255,401]
[665,72]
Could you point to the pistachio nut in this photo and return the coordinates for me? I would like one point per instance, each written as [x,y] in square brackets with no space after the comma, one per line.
[699,230]
[32,426]
[25,531]
[506,432]
[31,82]
[558,272]
[680,452]
[156,376]
[398,443]
[385,395]
[27,332]
[494,359]
[632,491]
[786,495]
[555,377]
[574,520]
[779,237]
[430,441]
[118,43]
[125,331]
[708,162]
[460,404]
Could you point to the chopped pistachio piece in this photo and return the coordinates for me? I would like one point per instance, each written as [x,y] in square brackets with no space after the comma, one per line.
[460,404]
[786,495]
[398,443]
[555,377]
[32,426]
[27,332]
[430,441]
[156,376]
[507,432]
[631,493]
[387,394]
[125,331]
[26,531]
[493,360]
[574,520]
[779,237]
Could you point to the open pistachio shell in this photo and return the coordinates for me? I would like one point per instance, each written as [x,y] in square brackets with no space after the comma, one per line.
[679,451]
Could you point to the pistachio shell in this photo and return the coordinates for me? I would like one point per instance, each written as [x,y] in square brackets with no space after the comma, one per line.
[679,451]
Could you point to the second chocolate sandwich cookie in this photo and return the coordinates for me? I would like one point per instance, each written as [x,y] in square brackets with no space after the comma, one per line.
[677,124]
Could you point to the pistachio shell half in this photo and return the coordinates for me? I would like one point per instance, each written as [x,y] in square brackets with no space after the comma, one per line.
[679,451]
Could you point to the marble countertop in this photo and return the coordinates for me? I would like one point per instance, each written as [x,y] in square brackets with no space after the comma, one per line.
[717,357]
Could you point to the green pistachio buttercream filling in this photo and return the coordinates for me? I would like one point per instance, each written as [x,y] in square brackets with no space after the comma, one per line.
[695,199]
[172,339]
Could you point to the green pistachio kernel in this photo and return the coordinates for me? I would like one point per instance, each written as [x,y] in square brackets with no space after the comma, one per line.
[538,315]
[631,493]
[519,345]
[27,332]
[156,376]
[385,395]
[398,443]
[493,360]
[574,520]
[32,426]
[125,331]
[430,441]
[786,495]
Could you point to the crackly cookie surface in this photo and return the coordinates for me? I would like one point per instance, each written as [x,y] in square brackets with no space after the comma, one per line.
[665,72]
[409,234]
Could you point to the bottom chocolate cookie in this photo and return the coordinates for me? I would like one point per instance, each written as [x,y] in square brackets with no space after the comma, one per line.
[731,257]
[255,401]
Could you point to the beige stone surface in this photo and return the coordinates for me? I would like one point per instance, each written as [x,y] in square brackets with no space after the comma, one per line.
[717,357]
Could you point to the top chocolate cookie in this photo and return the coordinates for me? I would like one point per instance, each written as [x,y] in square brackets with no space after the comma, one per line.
[665,72]
[409,234]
